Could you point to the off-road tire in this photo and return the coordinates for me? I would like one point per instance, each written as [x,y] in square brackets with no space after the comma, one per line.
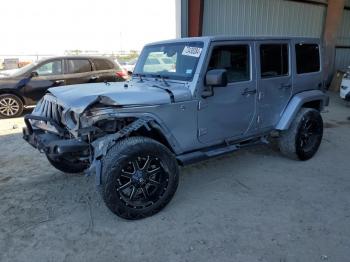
[290,141]
[5,98]
[68,166]
[113,163]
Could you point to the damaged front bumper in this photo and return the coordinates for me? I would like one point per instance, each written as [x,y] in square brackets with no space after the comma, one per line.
[50,143]
[57,144]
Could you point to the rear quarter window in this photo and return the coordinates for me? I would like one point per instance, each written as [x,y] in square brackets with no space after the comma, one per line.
[103,64]
[307,58]
[76,66]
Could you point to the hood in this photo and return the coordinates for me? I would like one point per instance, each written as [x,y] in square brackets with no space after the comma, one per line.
[7,73]
[79,97]
[11,82]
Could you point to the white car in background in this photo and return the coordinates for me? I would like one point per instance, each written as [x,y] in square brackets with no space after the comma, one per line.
[160,62]
[6,73]
[345,86]
[129,66]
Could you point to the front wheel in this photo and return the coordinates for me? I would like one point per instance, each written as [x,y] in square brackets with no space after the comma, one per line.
[139,177]
[303,138]
[10,106]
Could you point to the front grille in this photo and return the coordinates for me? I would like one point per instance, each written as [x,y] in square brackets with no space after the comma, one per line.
[48,107]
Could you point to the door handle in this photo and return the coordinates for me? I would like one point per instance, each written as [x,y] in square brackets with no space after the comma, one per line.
[248,92]
[94,77]
[285,86]
[58,82]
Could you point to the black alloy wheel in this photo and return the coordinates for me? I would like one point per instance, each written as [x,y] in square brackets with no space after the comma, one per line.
[310,134]
[139,177]
[142,182]
[304,136]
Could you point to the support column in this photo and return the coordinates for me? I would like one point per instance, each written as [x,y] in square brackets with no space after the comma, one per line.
[178,18]
[333,20]
[195,17]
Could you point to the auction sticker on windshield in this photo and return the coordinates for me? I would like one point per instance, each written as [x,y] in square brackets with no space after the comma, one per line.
[192,51]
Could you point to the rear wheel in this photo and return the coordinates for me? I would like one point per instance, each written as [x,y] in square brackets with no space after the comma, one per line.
[10,106]
[139,177]
[303,138]
[68,165]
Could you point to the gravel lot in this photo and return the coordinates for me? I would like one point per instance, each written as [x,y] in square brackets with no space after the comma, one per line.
[253,205]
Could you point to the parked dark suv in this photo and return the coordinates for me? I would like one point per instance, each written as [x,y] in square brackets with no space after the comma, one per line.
[28,85]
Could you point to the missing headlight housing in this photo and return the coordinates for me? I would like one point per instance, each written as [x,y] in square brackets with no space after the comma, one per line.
[71,119]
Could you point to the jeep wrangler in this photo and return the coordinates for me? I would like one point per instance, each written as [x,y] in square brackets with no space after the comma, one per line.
[208,97]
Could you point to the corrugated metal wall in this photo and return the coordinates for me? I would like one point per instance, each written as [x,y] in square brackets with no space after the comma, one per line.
[262,17]
[270,17]
[343,37]
[342,57]
[184,18]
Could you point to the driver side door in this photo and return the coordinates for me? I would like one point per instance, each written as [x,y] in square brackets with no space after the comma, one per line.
[230,111]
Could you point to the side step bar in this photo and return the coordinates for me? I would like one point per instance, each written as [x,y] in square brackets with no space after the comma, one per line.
[197,156]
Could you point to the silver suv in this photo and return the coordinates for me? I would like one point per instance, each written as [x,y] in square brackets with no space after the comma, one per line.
[214,96]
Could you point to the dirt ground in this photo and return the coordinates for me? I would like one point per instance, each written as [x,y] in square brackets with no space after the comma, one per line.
[253,205]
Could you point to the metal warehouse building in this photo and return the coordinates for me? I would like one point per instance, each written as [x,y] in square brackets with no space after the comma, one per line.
[329,20]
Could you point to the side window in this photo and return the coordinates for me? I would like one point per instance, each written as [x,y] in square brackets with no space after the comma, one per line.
[51,68]
[235,59]
[307,58]
[274,60]
[79,66]
[103,64]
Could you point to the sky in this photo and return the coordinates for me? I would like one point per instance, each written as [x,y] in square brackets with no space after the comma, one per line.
[53,26]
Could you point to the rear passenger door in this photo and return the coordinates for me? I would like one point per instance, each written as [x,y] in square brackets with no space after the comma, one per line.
[79,71]
[274,81]
[105,70]
[308,71]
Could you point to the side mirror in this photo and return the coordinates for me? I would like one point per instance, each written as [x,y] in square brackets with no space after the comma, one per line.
[34,74]
[214,78]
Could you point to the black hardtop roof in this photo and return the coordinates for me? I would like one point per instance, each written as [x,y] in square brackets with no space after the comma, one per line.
[239,38]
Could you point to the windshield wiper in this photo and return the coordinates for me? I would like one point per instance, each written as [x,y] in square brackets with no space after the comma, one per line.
[140,76]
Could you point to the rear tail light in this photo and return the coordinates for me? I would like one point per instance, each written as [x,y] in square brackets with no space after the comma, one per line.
[123,74]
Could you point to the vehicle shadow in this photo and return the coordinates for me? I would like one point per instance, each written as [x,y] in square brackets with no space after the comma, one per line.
[28,110]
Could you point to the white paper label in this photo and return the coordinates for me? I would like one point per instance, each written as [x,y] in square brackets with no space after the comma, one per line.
[192,51]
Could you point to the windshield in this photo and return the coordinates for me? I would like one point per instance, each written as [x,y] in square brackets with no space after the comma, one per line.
[173,60]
